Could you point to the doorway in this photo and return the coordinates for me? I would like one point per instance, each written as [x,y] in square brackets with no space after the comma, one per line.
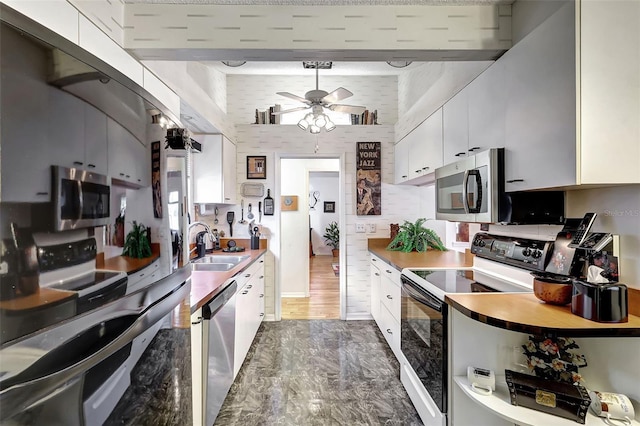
[310,277]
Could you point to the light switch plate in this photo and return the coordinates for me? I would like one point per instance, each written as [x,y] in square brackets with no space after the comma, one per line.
[371,228]
[360,228]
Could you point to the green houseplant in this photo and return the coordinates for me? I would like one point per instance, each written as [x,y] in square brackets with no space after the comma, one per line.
[414,236]
[332,237]
[137,242]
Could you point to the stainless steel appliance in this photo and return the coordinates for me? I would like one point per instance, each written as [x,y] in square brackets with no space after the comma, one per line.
[521,252]
[80,198]
[219,327]
[46,375]
[472,190]
[424,333]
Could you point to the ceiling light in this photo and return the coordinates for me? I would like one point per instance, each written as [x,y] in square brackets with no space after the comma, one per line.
[321,120]
[329,126]
[320,65]
[399,64]
[314,129]
[234,64]
[303,124]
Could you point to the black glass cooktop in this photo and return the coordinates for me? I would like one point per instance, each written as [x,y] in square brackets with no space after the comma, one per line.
[92,279]
[460,281]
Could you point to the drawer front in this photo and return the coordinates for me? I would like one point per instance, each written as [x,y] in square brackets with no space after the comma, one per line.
[144,277]
[390,296]
[390,329]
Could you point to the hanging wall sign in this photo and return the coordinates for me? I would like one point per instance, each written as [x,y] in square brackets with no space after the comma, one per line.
[155,179]
[368,178]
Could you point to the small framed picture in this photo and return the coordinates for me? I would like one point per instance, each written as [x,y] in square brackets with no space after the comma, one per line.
[329,206]
[256,167]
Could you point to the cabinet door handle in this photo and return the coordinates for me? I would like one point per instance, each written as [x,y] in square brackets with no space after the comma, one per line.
[128,176]
[388,271]
[389,297]
[404,176]
[261,296]
[425,168]
[515,180]
[121,174]
[197,322]
[91,166]
[139,180]
[77,163]
[245,292]
[376,274]
[261,277]
[262,261]
[247,275]
[389,331]
[418,171]
[261,314]
[227,199]
[249,286]
[42,193]
[374,260]
[475,148]
[460,154]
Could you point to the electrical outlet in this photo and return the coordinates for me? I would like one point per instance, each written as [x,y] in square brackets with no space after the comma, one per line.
[371,228]
[360,227]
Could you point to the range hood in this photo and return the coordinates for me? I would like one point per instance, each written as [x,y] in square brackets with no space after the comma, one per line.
[109,96]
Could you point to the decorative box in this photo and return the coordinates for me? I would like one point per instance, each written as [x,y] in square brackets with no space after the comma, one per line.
[555,398]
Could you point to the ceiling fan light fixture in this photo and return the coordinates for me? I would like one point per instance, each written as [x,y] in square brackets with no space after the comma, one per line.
[303,124]
[321,121]
[314,129]
[329,126]
[309,118]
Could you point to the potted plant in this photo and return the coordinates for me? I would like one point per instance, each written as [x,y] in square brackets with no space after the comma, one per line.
[332,238]
[414,236]
[137,242]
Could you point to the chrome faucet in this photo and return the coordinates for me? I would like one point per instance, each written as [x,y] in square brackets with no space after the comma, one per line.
[212,238]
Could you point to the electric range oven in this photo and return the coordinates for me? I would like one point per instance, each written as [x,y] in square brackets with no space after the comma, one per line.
[424,333]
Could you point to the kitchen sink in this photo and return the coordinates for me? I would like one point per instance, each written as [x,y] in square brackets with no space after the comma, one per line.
[217,262]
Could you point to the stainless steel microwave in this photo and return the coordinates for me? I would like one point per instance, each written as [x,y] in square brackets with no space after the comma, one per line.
[80,198]
[472,190]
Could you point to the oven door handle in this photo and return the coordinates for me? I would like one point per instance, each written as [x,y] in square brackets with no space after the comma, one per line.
[16,395]
[422,297]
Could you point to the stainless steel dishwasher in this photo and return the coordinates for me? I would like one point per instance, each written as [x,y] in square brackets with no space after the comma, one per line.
[219,328]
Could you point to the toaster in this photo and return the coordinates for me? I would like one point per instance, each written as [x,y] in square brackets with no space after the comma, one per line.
[600,302]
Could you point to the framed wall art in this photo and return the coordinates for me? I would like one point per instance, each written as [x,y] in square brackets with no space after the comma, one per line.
[256,167]
[329,206]
[289,203]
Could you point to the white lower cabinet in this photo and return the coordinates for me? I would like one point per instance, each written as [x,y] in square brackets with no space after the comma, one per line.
[144,277]
[249,310]
[385,302]
[198,368]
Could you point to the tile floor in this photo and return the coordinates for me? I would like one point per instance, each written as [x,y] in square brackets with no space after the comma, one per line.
[318,372]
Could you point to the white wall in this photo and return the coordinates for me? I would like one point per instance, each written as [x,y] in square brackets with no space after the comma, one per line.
[398,202]
[294,230]
[248,92]
[327,184]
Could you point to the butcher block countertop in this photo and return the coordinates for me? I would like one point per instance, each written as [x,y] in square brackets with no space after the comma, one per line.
[523,312]
[428,259]
[207,284]
[43,298]
[127,264]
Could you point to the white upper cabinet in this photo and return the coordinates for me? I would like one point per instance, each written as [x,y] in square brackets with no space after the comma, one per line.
[129,160]
[401,161]
[455,123]
[541,106]
[609,92]
[423,147]
[487,96]
[214,170]
[95,140]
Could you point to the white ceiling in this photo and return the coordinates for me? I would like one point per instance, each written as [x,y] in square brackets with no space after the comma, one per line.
[325,2]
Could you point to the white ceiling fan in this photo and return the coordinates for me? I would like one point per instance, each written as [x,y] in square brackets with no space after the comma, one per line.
[318,99]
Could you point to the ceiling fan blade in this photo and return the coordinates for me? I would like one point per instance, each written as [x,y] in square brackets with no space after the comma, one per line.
[292,96]
[350,109]
[290,110]
[337,95]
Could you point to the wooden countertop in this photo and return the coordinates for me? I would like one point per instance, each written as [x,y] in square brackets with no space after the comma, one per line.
[206,284]
[128,264]
[523,312]
[41,299]
[428,259]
